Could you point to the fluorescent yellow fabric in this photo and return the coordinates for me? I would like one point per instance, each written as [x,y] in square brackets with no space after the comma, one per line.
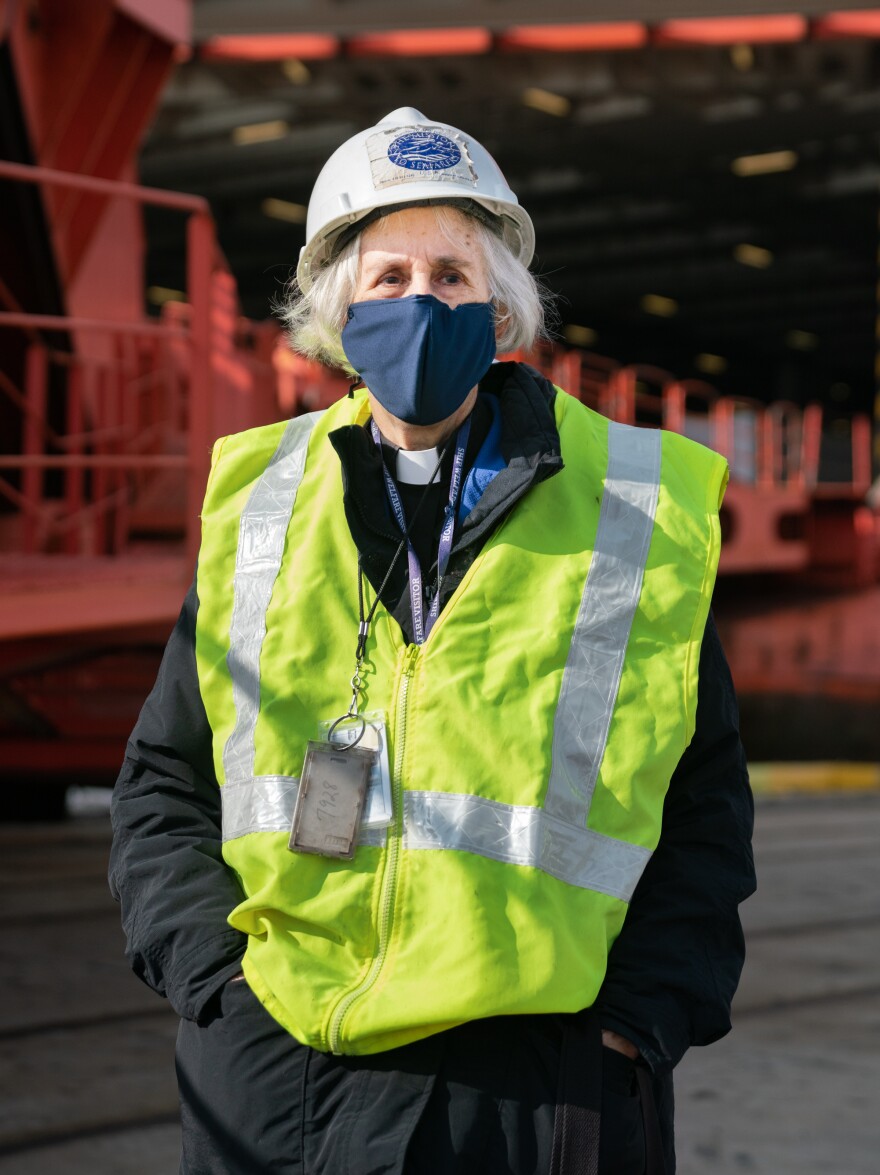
[363,956]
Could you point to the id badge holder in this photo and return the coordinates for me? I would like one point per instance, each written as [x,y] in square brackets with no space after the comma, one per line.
[373,736]
[330,800]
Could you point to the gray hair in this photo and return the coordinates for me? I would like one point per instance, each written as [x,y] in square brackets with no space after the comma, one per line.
[314,320]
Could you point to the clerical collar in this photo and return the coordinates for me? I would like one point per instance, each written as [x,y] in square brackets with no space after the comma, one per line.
[415,466]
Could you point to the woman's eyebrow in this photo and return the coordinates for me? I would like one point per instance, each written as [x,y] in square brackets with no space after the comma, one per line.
[379,261]
[382,261]
[455,262]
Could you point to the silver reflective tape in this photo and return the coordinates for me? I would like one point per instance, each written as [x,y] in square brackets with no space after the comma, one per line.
[261,536]
[433,820]
[524,836]
[265,803]
[611,595]
[261,804]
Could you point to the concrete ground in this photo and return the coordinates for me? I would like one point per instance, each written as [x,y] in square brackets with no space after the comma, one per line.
[86,1068]
[795,1088]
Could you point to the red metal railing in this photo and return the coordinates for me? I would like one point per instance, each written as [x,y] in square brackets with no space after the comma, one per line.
[113,436]
[788,508]
[767,445]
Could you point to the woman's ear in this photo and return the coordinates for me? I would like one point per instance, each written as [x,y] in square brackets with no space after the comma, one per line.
[500,320]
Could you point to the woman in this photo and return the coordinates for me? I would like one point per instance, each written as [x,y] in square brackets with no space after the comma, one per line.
[405,955]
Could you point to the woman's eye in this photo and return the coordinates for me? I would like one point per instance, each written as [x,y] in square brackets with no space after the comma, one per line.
[451,279]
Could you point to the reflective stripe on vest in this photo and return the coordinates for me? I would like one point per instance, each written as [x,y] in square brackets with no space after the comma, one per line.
[261,536]
[554,838]
[598,645]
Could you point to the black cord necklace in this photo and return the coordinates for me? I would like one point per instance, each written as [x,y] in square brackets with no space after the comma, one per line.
[366,620]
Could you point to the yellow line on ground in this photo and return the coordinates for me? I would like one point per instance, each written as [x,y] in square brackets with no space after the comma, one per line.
[785,778]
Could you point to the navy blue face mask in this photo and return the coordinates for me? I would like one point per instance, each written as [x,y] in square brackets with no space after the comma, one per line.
[418,356]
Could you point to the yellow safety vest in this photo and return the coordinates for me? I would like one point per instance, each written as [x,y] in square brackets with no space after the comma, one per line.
[533,735]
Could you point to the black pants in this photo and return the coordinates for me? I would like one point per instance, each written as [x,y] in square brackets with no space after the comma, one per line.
[476,1100]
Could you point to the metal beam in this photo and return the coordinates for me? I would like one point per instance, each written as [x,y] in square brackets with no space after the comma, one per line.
[234,17]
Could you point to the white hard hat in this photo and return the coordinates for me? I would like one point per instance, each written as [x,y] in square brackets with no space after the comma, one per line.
[406,159]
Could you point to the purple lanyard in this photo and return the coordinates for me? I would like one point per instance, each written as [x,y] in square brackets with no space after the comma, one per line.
[422,625]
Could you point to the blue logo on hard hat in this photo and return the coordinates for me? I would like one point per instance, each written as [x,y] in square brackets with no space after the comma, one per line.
[424,151]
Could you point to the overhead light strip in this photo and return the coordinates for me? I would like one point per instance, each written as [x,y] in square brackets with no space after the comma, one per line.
[710,364]
[659,305]
[580,336]
[753,255]
[767,163]
[801,340]
[462,42]
[848,24]
[732,30]
[284,210]
[547,38]
[259,132]
[270,47]
[546,101]
[573,38]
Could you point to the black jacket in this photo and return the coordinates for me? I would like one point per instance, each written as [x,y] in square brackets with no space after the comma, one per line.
[674,968]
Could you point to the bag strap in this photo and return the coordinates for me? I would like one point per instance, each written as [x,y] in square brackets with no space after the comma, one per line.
[578,1116]
[577,1122]
[655,1163]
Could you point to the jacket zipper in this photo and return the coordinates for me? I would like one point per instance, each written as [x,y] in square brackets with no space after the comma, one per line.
[389,884]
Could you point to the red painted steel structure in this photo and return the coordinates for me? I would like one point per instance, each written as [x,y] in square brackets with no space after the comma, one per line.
[106,416]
